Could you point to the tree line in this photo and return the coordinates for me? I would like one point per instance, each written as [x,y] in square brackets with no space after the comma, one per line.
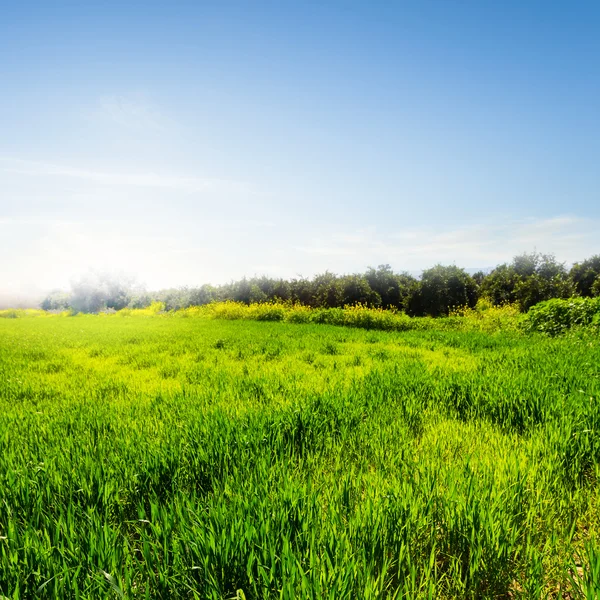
[530,278]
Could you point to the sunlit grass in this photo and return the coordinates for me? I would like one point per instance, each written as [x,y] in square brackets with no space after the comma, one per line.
[167,457]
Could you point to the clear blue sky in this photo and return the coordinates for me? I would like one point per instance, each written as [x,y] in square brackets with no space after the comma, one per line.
[193,142]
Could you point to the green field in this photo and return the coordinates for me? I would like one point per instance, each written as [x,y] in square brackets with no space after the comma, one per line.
[161,457]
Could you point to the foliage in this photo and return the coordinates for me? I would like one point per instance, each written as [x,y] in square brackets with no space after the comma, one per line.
[18,313]
[499,285]
[357,291]
[490,318]
[97,292]
[556,316]
[56,301]
[100,292]
[483,318]
[171,457]
[155,308]
[586,276]
[441,289]
[393,289]
[529,279]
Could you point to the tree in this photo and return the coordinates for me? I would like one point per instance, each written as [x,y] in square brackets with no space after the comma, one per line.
[203,295]
[327,290]
[394,289]
[256,294]
[274,289]
[302,291]
[499,286]
[100,291]
[478,277]
[356,290]
[241,291]
[585,274]
[529,279]
[596,287]
[536,288]
[281,290]
[441,289]
[87,297]
[56,300]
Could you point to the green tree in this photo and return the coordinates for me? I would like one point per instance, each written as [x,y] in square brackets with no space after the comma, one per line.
[585,274]
[499,286]
[256,294]
[240,291]
[529,279]
[56,300]
[274,289]
[327,290]
[441,289]
[536,288]
[97,292]
[302,291]
[203,295]
[478,277]
[394,289]
[356,289]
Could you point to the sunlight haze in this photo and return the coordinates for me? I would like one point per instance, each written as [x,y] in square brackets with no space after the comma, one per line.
[203,142]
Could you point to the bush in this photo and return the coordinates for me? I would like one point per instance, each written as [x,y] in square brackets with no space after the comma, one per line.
[555,316]
[596,287]
[154,309]
[269,312]
[298,313]
[375,318]
[18,313]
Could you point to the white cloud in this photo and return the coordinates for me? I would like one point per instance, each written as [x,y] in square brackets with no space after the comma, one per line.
[569,238]
[32,168]
[49,253]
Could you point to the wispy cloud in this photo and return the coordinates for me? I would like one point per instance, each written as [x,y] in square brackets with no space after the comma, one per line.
[48,253]
[32,222]
[32,168]
[569,237]
[163,253]
[133,112]
[125,225]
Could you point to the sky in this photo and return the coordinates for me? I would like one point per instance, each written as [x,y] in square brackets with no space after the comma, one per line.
[198,142]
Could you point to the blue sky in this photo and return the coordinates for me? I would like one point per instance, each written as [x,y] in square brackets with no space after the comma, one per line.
[193,142]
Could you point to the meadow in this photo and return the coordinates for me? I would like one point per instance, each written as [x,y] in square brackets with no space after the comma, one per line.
[154,456]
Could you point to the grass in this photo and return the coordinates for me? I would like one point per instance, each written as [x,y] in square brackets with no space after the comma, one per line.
[162,457]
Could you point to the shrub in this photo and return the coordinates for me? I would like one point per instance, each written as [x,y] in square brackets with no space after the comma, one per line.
[269,312]
[486,316]
[298,313]
[596,287]
[154,309]
[228,310]
[375,318]
[555,316]
[17,313]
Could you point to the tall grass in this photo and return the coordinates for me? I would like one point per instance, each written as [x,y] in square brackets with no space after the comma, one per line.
[255,458]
